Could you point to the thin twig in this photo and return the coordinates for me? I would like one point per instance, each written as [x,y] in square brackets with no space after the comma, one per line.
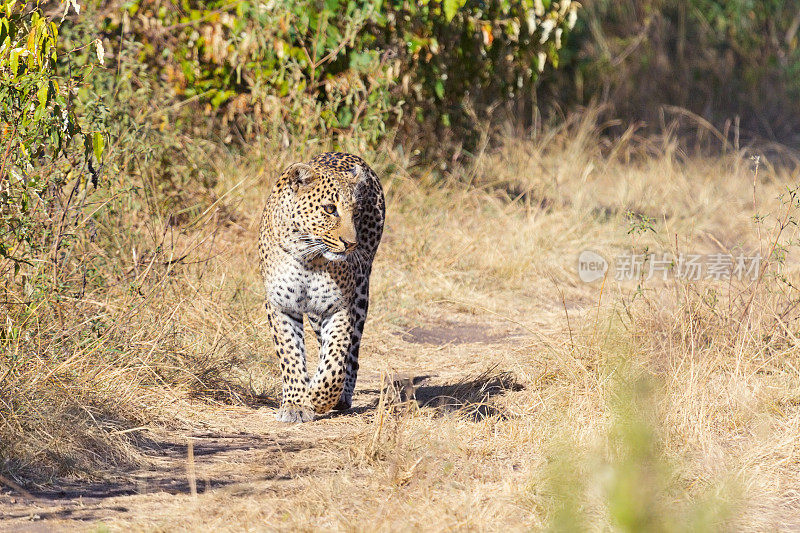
[566,314]
[25,494]
[190,471]
[781,225]
[5,155]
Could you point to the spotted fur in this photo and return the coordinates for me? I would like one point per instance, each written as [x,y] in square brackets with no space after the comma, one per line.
[319,233]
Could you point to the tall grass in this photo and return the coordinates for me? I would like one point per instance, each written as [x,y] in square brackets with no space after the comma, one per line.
[648,404]
[140,309]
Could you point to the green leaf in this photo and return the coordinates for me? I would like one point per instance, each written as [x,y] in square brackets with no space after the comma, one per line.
[362,61]
[14,60]
[415,44]
[98,143]
[439,88]
[450,8]
[42,94]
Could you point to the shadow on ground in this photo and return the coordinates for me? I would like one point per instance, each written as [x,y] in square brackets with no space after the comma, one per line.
[470,397]
[169,469]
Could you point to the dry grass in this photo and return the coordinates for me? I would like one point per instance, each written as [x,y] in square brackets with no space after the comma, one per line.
[656,405]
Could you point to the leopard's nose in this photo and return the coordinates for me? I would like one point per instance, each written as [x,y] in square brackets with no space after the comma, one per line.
[349,245]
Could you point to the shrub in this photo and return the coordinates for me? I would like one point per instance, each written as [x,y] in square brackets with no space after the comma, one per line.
[47,136]
[345,67]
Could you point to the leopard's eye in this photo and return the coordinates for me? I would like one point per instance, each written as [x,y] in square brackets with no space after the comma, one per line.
[329,208]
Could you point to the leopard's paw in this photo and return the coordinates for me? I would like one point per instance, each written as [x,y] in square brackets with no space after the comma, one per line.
[343,404]
[294,414]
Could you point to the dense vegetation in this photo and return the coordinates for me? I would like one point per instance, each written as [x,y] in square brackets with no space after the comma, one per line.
[734,63]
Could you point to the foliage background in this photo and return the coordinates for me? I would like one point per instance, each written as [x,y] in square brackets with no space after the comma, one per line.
[729,62]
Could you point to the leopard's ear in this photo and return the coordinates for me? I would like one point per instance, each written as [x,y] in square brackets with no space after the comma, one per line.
[358,172]
[299,174]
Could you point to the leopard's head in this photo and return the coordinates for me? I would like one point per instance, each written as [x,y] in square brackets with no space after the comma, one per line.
[322,212]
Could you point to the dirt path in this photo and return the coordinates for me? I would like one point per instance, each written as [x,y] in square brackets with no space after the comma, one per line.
[244,452]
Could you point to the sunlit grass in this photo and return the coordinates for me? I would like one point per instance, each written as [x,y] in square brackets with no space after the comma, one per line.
[643,406]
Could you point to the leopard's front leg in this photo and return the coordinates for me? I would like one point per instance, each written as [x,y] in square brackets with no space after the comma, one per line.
[287,333]
[327,384]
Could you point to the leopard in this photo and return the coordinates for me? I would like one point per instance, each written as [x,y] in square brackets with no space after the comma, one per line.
[319,233]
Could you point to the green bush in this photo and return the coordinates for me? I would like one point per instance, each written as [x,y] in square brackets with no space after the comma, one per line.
[47,136]
[344,67]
